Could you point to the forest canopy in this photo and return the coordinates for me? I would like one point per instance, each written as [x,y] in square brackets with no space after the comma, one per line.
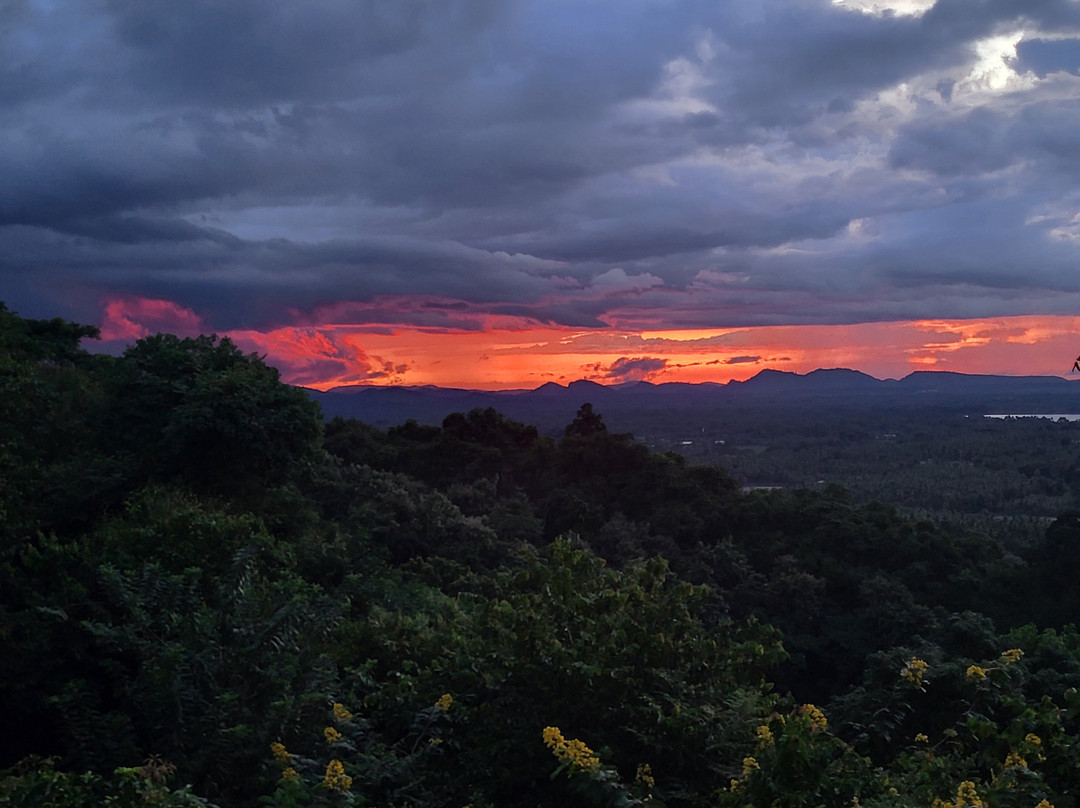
[210,596]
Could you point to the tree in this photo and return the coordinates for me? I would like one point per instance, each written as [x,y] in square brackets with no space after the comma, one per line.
[201,412]
[586,423]
[48,393]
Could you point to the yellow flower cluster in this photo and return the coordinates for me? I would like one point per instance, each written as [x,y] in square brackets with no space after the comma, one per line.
[284,760]
[281,755]
[444,701]
[1045,804]
[817,718]
[575,751]
[332,735]
[1011,656]
[1034,742]
[913,671]
[335,778]
[966,797]
[748,765]
[921,738]
[1015,760]
[975,672]
[340,713]
[764,736]
[644,775]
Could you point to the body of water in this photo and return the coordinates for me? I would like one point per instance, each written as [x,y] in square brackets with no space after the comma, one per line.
[1053,416]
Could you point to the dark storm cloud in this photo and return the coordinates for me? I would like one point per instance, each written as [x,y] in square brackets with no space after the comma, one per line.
[259,162]
[1039,135]
[741,360]
[626,369]
[246,285]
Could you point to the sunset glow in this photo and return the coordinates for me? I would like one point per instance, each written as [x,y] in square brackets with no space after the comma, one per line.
[336,354]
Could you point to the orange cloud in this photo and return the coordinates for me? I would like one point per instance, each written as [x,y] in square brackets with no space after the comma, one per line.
[320,358]
[486,351]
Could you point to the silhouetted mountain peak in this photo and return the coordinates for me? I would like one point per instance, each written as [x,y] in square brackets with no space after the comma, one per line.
[842,376]
[584,385]
[770,378]
[547,390]
[554,405]
[821,380]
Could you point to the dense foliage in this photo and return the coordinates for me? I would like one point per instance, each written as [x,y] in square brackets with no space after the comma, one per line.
[1006,477]
[206,595]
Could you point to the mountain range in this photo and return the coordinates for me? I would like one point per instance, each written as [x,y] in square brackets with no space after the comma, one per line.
[552,405]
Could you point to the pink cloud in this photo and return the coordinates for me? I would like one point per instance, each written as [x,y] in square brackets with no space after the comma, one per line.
[131,318]
[322,358]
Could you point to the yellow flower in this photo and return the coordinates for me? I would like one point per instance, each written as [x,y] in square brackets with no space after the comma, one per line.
[335,778]
[734,785]
[281,756]
[764,735]
[967,796]
[913,671]
[1045,804]
[553,738]
[444,701]
[290,774]
[1032,738]
[817,718]
[1011,656]
[921,738]
[644,775]
[582,756]
[1014,759]
[331,735]
[748,765]
[575,751]
[340,713]
[434,741]
[975,672]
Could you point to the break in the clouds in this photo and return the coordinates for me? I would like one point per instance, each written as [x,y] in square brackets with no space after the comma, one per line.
[615,163]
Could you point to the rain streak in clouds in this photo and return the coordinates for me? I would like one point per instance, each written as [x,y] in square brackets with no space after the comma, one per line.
[368,190]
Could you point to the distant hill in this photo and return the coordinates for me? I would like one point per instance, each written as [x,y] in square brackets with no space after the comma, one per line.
[552,405]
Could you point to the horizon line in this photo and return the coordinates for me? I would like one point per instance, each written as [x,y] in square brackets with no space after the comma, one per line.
[1065,376]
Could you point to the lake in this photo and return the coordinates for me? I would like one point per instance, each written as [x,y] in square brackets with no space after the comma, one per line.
[1054,416]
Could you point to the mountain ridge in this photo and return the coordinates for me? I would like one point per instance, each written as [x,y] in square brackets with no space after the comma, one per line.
[838,389]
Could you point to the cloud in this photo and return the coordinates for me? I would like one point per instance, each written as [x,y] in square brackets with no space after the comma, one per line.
[323,358]
[1045,56]
[128,319]
[627,369]
[461,166]
[741,360]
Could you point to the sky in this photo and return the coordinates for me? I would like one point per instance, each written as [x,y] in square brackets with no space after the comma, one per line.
[502,193]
